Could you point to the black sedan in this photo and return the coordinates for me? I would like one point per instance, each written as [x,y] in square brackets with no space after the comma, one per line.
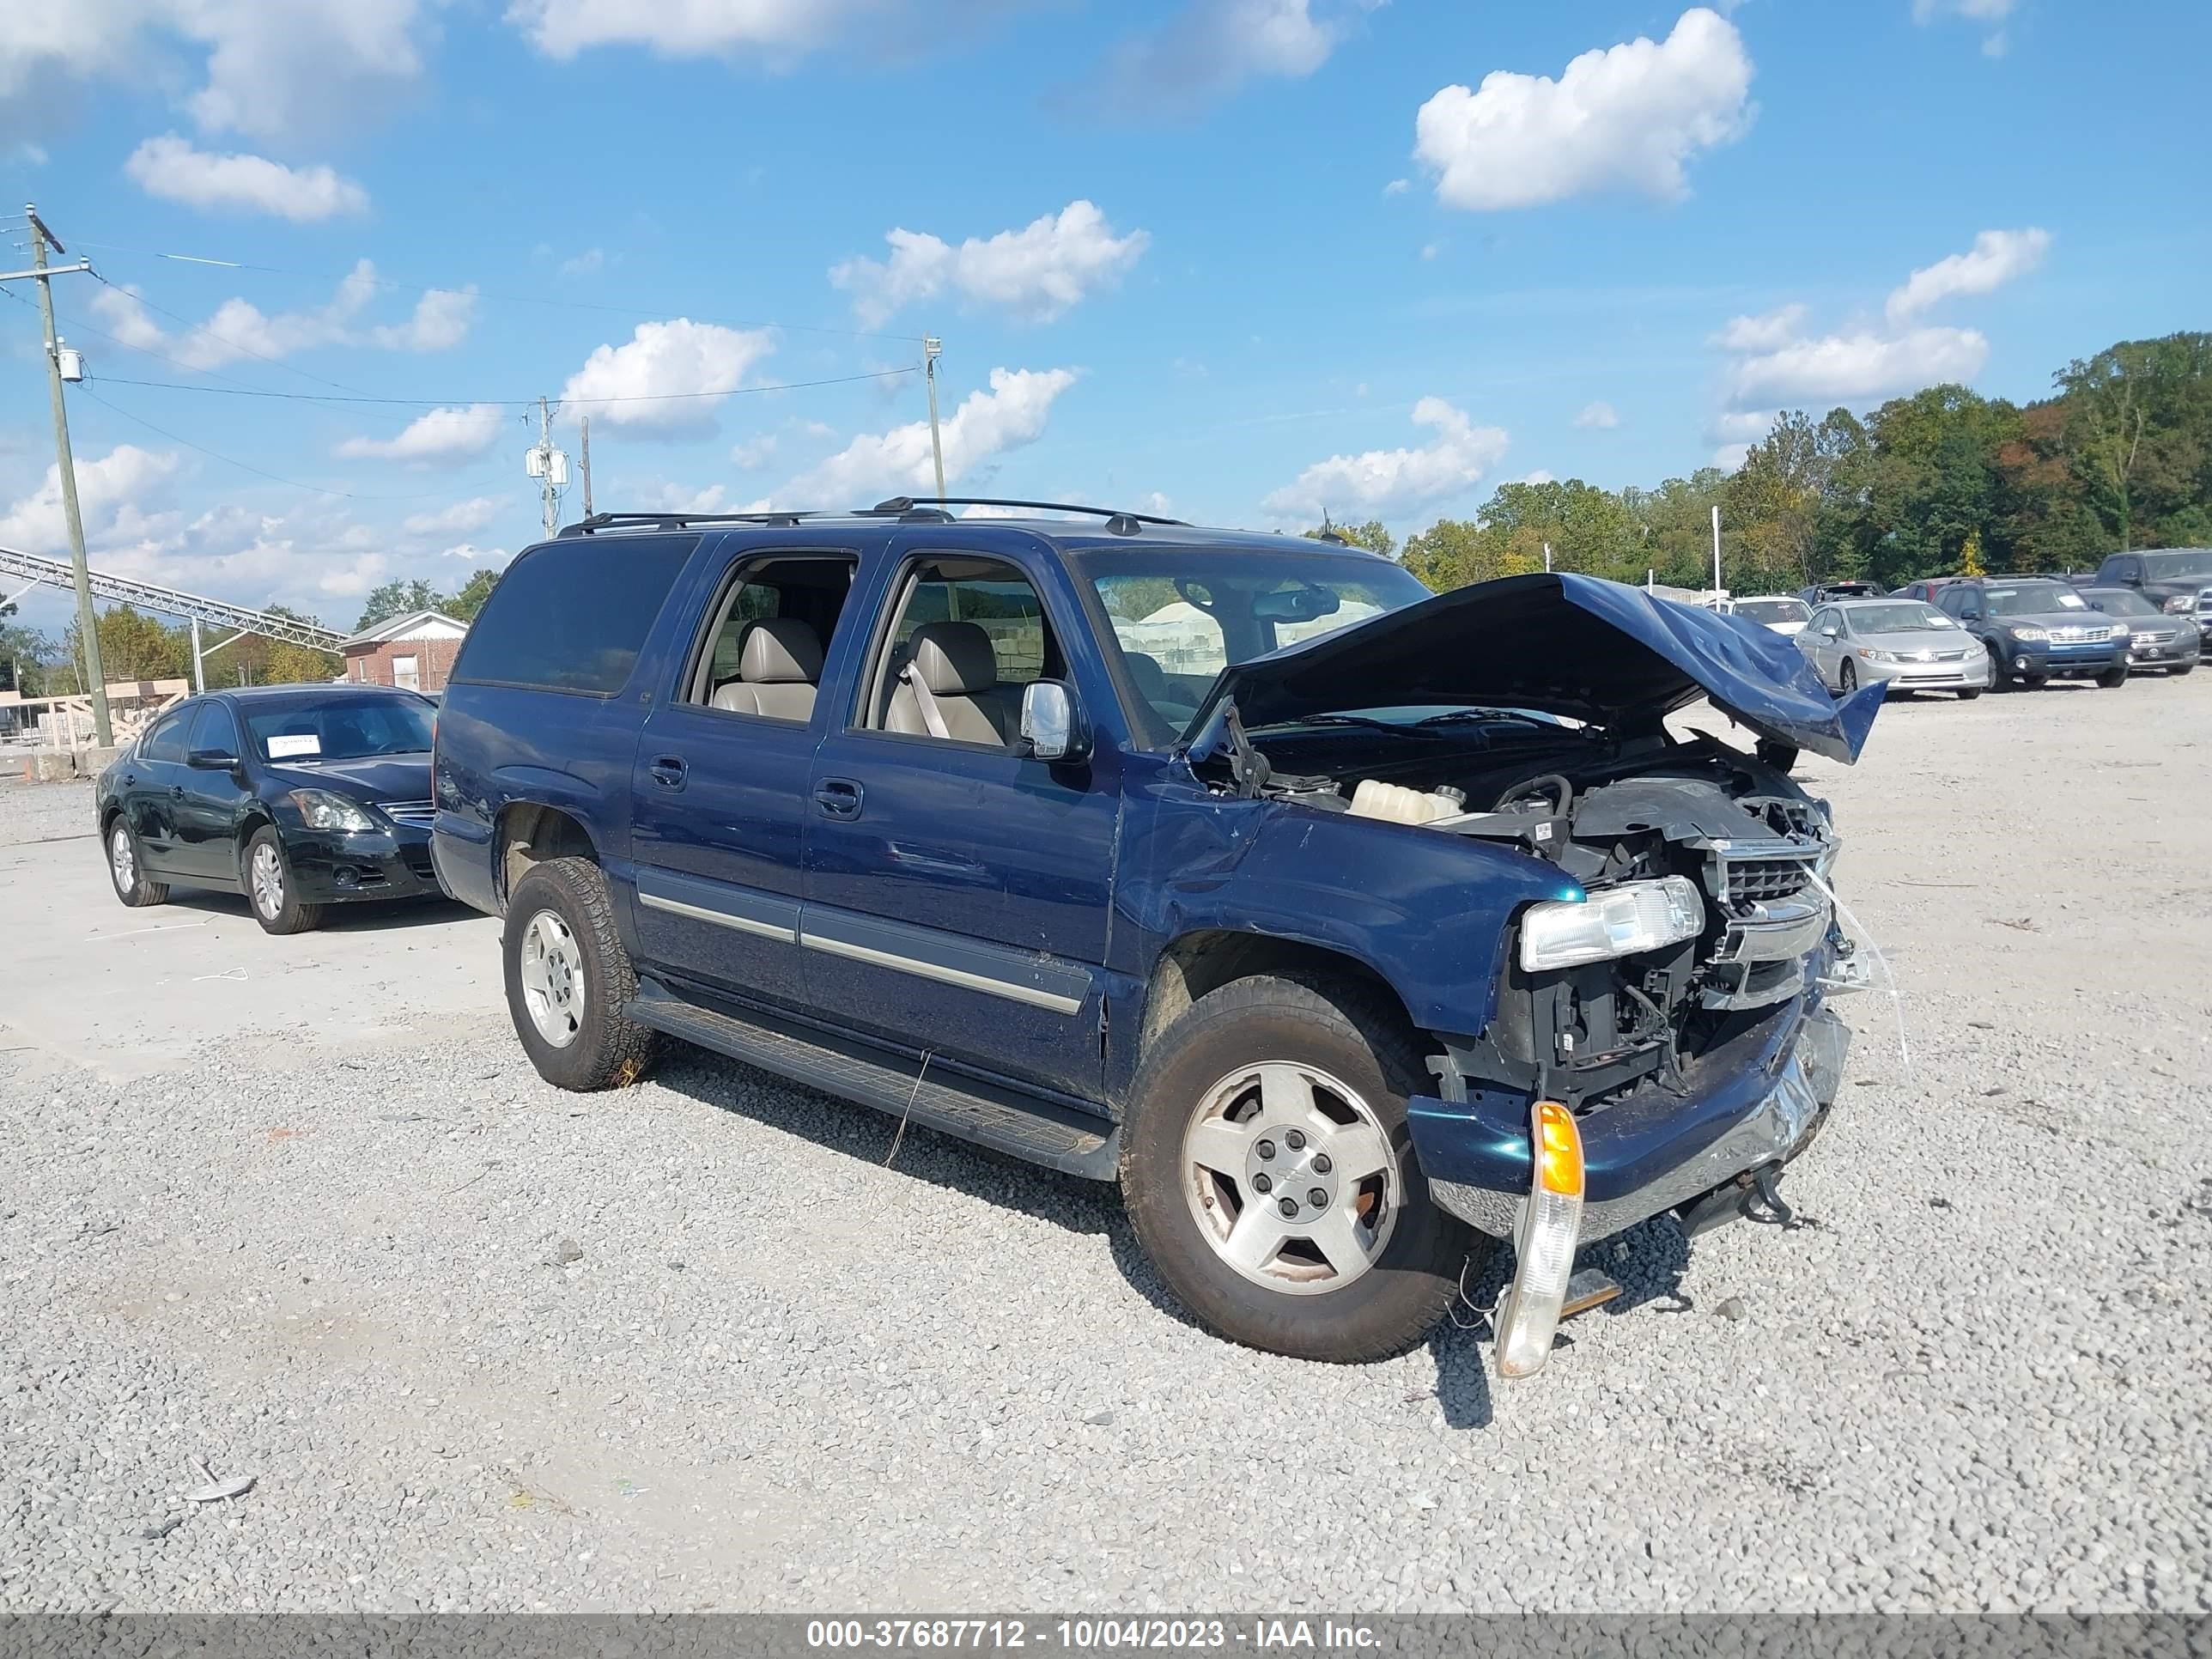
[297,796]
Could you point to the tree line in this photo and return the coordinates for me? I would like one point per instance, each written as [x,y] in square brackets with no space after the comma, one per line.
[135,645]
[1943,481]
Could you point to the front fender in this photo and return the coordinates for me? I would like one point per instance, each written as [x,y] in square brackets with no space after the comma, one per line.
[1427,911]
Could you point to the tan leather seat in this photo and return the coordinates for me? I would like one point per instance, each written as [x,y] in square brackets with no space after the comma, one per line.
[958,668]
[778,661]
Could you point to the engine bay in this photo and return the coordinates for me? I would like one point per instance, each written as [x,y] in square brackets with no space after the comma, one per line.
[1608,813]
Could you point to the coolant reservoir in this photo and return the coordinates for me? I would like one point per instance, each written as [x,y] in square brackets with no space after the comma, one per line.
[1375,799]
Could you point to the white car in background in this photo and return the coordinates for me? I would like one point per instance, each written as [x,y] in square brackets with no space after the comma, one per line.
[1785,616]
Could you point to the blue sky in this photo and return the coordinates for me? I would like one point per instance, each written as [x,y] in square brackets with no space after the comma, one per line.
[1243,258]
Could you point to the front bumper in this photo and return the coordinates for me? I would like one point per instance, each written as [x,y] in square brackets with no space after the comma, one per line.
[1971,674]
[2144,652]
[329,867]
[1756,1100]
[2064,662]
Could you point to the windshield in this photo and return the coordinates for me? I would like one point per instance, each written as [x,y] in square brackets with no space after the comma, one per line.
[2164,567]
[347,728]
[1181,615]
[2124,602]
[1905,618]
[2032,600]
[1772,610]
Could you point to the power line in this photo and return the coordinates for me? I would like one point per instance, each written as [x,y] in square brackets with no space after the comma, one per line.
[517,402]
[294,483]
[222,339]
[503,299]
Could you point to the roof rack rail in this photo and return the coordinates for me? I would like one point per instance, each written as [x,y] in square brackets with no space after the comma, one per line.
[1118,522]
[600,521]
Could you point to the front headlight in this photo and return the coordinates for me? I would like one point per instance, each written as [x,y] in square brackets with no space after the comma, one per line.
[2120,633]
[1872,655]
[2179,604]
[2029,636]
[319,809]
[1622,921]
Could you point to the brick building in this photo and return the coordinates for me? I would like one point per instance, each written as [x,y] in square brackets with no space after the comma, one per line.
[415,651]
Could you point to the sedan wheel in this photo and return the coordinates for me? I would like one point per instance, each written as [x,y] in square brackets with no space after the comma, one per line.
[1847,677]
[271,889]
[125,870]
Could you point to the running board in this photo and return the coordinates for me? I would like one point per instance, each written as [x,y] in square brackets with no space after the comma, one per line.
[996,1118]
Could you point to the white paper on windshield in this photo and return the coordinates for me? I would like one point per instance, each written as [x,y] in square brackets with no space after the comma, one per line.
[294,747]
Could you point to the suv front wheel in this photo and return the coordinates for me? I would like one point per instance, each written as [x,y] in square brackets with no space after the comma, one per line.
[568,979]
[1270,1176]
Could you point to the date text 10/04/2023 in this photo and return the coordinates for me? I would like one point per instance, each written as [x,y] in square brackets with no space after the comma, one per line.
[1087,1634]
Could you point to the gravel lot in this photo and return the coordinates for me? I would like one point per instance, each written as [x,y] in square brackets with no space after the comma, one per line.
[486,1347]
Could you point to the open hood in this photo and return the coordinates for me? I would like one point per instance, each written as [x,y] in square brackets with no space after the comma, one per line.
[1561,644]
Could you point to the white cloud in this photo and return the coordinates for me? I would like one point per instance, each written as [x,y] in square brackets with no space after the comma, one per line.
[1384,481]
[584,263]
[753,453]
[1599,417]
[172,169]
[1158,505]
[1428,250]
[239,329]
[1745,426]
[703,361]
[303,67]
[1397,186]
[987,424]
[461,519]
[684,28]
[1858,368]
[679,498]
[475,555]
[1627,117]
[1035,273]
[1761,333]
[439,438]
[1728,457]
[1997,257]
[115,492]
[1539,477]
[1212,47]
[1991,12]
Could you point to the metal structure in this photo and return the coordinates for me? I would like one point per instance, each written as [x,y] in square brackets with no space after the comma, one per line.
[173,602]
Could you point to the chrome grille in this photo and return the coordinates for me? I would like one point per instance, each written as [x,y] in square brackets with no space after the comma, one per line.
[414,814]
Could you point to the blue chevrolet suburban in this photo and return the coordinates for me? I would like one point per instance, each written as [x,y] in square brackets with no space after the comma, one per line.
[1351,929]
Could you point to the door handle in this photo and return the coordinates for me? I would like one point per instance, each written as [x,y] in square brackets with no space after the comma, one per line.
[668,770]
[838,798]
[130,778]
[176,792]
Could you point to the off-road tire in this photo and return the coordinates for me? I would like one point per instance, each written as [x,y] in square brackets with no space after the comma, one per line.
[1355,1035]
[140,892]
[290,916]
[610,1050]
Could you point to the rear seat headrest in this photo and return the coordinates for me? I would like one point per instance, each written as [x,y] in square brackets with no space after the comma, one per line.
[779,650]
[954,658]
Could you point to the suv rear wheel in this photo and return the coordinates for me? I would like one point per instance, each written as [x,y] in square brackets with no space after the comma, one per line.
[568,979]
[1271,1179]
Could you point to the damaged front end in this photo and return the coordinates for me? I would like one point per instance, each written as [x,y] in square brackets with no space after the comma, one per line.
[1658,1040]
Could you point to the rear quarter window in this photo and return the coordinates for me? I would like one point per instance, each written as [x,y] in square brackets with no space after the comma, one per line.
[572,615]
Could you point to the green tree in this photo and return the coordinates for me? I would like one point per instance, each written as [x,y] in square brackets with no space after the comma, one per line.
[25,653]
[1372,536]
[395,599]
[2138,432]
[134,645]
[463,605]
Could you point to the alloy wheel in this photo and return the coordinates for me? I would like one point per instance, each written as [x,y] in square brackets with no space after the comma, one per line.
[268,880]
[122,860]
[552,965]
[1290,1177]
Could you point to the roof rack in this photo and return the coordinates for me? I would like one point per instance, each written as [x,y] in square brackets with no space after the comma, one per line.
[600,521]
[1118,523]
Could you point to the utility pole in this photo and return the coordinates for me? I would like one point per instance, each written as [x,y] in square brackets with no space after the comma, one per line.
[584,425]
[550,466]
[87,623]
[1716,553]
[932,347]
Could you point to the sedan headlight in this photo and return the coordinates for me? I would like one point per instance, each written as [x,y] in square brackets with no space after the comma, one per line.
[1621,922]
[1872,655]
[2029,636]
[2181,602]
[320,810]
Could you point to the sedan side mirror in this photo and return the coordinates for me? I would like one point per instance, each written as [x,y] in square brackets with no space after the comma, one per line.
[212,760]
[1053,725]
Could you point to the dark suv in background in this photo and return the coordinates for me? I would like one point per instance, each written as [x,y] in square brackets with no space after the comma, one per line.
[2176,579]
[2037,629]
[1348,927]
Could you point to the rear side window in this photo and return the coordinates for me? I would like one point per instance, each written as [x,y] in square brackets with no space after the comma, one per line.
[572,615]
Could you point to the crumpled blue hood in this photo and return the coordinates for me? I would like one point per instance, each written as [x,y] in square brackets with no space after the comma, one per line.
[1561,644]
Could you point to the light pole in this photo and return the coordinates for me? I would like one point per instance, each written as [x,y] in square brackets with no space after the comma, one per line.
[932,348]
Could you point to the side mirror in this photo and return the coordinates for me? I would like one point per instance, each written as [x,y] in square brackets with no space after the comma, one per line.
[212,760]
[1052,725]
